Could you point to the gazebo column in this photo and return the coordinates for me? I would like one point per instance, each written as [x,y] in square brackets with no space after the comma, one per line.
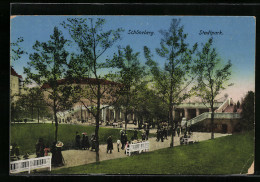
[173,114]
[197,112]
[114,111]
[186,113]
[105,115]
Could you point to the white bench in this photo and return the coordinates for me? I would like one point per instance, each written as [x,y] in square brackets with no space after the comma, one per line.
[30,164]
[138,147]
[115,125]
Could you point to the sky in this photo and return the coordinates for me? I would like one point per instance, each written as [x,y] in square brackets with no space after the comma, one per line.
[236,42]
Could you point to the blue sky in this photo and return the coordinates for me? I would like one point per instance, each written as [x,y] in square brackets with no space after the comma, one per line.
[236,44]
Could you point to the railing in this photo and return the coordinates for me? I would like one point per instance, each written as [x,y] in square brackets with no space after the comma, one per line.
[207,115]
[30,164]
[138,147]
[224,105]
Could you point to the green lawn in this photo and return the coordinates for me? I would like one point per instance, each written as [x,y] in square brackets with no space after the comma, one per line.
[26,135]
[225,155]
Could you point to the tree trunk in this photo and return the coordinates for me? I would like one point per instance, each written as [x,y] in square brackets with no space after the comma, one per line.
[125,120]
[212,123]
[97,123]
[56,120]
[38,115]
[56,128]
[172,128]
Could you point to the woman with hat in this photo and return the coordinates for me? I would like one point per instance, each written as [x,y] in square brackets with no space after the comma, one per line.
[59,157]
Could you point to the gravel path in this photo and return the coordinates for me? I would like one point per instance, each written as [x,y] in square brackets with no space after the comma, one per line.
[80,157]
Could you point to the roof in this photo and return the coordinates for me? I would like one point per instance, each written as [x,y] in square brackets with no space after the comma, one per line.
[92,81]
[13,72]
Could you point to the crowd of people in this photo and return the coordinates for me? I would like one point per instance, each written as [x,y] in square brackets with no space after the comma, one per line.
[162,134]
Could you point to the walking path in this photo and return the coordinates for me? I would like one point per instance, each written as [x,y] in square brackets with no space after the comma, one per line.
[80,157]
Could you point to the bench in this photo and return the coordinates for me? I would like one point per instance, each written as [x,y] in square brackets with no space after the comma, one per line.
[115,125]
[30,164]
[138,147]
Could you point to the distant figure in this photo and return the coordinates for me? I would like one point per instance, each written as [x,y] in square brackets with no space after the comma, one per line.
[118,144]
[161,135]
[147,133]
[122,139]
[109,144]
[87,144]
[40,148]
[135,135]
[93,142]
[77,140]
[83,142]
[158,135]
[165,133]
[143,136]
[178,131]
[54,152]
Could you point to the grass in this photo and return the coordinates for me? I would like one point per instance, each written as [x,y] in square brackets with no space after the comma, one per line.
[26,135]
[226,155]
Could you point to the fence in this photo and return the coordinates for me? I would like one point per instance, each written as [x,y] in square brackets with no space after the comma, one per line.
[30,164]
[138,147]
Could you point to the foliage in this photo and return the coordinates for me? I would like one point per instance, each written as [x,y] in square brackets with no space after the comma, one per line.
[92,42]
[207,157]
[30,104]
[248,111]
[47,66]
[172,82]
[212,76]
[16,50]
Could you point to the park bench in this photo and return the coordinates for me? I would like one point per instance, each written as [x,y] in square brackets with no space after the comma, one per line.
[186,141]
[137,147]
[115,125]
[30,164]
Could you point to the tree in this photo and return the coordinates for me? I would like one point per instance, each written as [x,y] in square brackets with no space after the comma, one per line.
[93,42]
[172,82]
[33,100]
[47,66]
[129,74]
[16,50]
[212,77]
[248,111]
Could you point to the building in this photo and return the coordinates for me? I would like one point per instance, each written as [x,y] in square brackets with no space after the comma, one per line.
[198,116]
[16,84]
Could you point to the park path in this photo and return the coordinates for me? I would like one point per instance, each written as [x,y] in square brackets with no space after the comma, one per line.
[80,157]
